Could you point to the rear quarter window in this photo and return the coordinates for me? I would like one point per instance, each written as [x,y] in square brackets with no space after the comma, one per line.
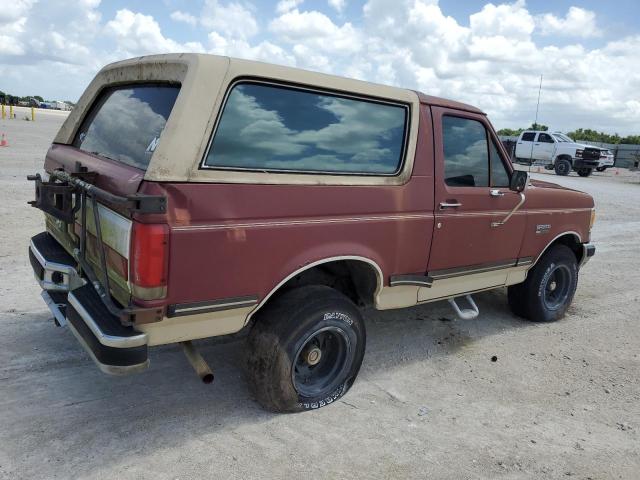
[126,122]
[267,127]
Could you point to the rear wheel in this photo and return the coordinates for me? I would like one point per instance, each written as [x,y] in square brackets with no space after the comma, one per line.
[305,349]
[562,167]
[584,172]
[549,288]
[601,169]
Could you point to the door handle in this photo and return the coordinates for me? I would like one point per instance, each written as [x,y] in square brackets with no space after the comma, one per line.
[454,204]
[496,193]
[536,144]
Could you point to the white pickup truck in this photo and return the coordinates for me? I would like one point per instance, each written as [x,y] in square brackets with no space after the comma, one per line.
[558,152]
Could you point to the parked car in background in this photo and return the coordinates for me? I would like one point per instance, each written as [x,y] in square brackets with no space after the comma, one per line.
[193,196]
[556,151]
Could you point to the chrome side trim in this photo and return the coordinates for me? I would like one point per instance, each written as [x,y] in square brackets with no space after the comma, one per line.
[321,221]
[376,267]
[108,369]
[571,232]
[480,268]
[524,261]
[103,338]
[181,309]
[420,280]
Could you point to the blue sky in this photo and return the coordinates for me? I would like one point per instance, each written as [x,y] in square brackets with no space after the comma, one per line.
[487,54]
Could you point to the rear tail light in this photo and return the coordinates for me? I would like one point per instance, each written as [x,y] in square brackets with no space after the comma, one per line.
[149,260]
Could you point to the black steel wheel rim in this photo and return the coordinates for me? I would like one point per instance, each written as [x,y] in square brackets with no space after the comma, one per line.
[562,168]
[320,363]
[557,287]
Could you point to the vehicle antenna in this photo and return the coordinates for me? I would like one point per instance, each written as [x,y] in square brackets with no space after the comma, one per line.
[535,123]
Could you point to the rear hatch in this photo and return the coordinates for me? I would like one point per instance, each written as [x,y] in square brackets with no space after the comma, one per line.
[112,148]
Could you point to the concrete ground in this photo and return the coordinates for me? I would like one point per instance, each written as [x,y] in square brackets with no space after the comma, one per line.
[561,401]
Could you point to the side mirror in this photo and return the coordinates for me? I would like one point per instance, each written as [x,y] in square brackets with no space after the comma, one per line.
[519,181]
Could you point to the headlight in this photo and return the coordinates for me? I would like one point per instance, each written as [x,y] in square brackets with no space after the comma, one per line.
[579,153]
[593,218]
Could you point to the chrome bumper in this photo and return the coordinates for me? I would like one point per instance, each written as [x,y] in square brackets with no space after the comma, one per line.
[116,349]
[589,250]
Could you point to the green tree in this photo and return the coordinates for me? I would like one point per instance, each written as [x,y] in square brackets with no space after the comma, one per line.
[510,132]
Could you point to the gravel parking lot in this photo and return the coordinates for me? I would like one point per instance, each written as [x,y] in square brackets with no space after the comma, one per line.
[560,401]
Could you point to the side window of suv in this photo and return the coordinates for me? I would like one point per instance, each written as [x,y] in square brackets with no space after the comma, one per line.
[283,128]
[466,153]
[545,138]
[528,137]
[499,174]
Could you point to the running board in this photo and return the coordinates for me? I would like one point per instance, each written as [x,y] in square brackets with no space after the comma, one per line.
[466,313]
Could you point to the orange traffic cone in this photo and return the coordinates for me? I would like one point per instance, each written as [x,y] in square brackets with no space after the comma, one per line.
[4,142]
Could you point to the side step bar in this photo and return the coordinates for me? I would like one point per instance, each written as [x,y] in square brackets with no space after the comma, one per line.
[465,313]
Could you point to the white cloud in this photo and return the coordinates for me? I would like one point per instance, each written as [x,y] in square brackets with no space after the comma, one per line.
[183,17]
[338,4]
[493,61]
[284,6]
[15,10]
[138,34]
[9,38]
[313,31]
[507,20]
[233,19]
[578,22]
[240,48]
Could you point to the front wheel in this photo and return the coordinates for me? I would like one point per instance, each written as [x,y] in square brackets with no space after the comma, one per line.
[549,288]
[601,169]
[305,349]
[562,167]
[584,172]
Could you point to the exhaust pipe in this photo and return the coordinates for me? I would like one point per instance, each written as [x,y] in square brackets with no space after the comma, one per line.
[197,362]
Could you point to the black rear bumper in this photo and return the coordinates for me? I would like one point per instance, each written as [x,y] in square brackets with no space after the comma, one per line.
[116,349]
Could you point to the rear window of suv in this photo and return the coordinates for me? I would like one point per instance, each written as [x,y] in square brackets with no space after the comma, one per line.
[126,122]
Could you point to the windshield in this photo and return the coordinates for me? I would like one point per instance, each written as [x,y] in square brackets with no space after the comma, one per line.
[561,137]
[126,122]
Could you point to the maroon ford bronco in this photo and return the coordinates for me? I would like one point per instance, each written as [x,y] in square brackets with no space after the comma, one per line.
[191,196]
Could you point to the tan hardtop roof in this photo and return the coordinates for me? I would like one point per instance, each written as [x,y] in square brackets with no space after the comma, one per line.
[268,69]
[204,57]
[205,80]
